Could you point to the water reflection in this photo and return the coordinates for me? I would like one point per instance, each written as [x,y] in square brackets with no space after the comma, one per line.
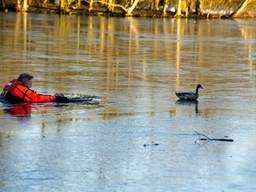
[189,103]
[100,40]
[248,32]
[23,111]
[19,110]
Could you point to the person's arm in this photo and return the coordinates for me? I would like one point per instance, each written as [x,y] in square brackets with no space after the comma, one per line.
[31,96]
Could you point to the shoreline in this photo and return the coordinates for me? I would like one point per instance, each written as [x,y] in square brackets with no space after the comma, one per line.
[118,12]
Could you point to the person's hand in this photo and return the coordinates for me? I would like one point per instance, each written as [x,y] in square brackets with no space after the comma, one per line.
[61,99]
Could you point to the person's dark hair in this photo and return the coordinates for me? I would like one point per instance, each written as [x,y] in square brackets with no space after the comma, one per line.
[25,77]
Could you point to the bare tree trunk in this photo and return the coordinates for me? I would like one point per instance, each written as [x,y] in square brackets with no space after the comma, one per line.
[91,5]
[44,2]
[151,5]
[113,5]
[130,9]
[178,14]
[130,2]
[78,3]
[29,2]
[165,7]
[18,5]
[25,6]
[21,5]
[3,4]
[241,8]
[188,8]
[156,4]
[197,7]
[183,7]
[110,7]
[62,4]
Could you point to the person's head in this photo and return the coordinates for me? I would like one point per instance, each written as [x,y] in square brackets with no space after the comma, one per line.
[26,79]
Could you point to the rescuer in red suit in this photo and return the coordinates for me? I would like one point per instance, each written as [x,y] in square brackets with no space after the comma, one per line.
[18,91]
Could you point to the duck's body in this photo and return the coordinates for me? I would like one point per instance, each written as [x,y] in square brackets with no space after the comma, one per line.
[189,96]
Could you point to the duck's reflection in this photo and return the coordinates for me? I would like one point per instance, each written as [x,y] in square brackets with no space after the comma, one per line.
[185,102]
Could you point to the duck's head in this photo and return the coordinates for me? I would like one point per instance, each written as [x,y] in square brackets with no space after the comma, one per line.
[199,86]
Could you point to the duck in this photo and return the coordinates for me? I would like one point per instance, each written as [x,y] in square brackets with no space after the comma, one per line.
[189,96]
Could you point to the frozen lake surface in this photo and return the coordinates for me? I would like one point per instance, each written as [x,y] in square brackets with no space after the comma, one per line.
[139,138]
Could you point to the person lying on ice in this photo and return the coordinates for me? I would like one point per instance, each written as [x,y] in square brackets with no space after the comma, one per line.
[18,90]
